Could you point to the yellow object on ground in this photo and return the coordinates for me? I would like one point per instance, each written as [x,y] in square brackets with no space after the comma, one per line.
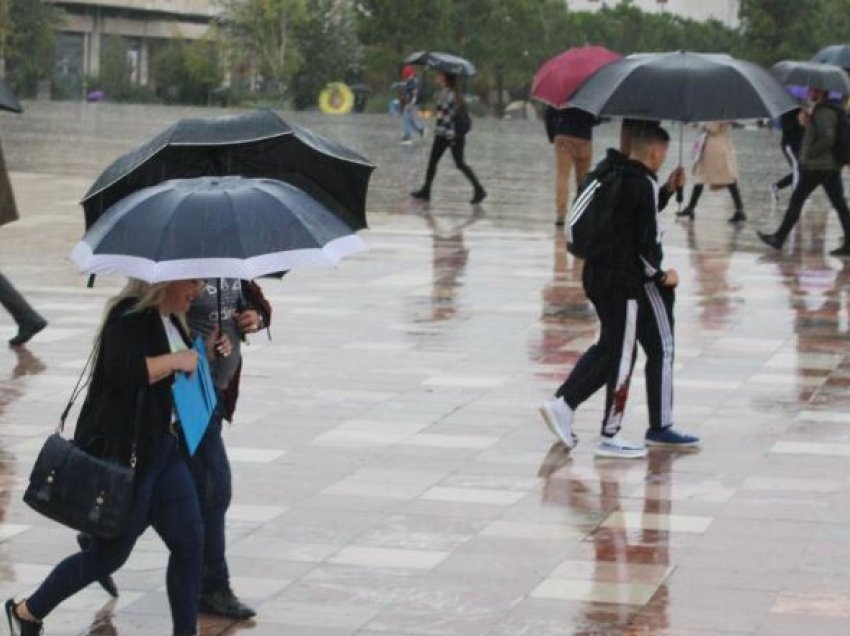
[336,99]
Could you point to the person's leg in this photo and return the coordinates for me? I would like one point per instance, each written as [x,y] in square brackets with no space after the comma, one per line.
[792,177]
[835,191]
[690,209]
[582,153]
[563,164]
[29,321]
[738,203]
[809,180]
[655,334]
[458,148]
[406,123]
[176,517]
[622,334]
[437,149]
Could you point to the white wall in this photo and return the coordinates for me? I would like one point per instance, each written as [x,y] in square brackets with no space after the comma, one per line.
[724,10]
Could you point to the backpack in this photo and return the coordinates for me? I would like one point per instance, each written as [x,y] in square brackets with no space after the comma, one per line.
[462,121]
[841,149]
[591,228]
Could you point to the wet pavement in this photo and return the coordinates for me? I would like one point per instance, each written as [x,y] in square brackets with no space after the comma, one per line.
[392,475]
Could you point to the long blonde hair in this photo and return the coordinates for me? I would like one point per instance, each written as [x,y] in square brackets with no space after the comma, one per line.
[146,294]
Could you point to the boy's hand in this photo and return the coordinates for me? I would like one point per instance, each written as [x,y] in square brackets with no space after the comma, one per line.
[676,179]
[670,279]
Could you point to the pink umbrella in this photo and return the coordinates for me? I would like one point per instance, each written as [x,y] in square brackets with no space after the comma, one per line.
[560,77]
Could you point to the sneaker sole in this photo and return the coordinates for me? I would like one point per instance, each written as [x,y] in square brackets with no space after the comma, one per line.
[672,445]
[619,454]
[552,427]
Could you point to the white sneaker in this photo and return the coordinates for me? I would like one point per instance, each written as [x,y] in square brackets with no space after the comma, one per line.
[619,448]
[559,418]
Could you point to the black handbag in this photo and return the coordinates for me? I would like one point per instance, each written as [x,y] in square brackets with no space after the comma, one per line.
[78,489]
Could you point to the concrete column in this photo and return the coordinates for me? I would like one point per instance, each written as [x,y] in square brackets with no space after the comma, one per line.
[93,60]
[144,61]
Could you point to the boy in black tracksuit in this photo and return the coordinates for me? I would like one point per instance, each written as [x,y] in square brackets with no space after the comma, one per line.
[634,300]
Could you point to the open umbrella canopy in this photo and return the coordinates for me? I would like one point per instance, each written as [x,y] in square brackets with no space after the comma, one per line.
[684,87]
[252,144]
[838,54]
[8,100]
[444,62]
[214,227]
[827,77]
[558,78]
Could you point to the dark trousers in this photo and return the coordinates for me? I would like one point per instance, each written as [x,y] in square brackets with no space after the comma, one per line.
[16,305]
[437,149]
[610,360]
[809,182]
[165,499]
[655,335]
[211,472]
[696,193]
[792,177]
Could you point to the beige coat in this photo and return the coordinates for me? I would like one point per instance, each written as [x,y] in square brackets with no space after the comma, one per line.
[8,209]
[717,165]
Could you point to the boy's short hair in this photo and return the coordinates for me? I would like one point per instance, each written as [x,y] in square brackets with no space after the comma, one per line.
[649,135]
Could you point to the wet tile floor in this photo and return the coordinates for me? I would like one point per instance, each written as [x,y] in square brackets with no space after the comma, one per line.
[392,475]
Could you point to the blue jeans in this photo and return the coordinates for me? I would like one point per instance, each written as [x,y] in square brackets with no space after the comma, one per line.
[165,499]
[211,472]
[411,125]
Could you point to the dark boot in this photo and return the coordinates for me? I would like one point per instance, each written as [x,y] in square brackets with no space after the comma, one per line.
[738,217]
[774,240]
[17,625]
[221,601]
[423,194]
[106,582]
[478,195]
[687,212]
[844,250]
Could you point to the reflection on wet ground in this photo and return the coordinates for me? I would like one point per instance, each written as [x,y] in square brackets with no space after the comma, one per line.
[392,476]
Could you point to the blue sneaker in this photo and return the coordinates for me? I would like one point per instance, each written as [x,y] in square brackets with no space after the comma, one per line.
[670,438]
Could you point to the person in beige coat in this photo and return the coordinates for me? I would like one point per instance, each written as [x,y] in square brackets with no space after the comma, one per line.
[29,321]
[717,167]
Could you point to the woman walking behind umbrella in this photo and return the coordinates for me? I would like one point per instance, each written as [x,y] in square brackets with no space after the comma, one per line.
[447,135]
[717,167]
[142,344]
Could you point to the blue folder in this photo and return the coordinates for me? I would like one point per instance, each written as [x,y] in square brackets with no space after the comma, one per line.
[195,399]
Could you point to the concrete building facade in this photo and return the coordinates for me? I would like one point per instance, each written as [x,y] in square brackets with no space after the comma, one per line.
[726,11]
[141,25]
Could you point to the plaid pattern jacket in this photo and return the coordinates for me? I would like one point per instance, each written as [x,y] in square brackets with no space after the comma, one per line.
[446,111]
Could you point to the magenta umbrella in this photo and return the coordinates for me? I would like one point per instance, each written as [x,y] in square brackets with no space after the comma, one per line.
[560,77]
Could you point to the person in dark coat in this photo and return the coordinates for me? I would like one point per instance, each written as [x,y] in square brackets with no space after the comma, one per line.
[446,135]
[818,167]
[144,341]
[570,130]
[29,321]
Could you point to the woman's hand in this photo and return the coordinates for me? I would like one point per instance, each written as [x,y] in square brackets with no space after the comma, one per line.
[185,361]
[218,345]
[249,321]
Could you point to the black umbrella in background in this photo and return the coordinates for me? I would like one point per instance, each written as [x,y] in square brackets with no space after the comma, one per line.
[826,77]
[257,144]
[683,87]
[8,101]
[838,54]
[444,62]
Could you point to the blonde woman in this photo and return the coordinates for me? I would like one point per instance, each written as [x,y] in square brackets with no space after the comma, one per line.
[143,342]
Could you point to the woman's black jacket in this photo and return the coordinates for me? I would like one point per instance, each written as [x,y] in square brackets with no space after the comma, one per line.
[119,380]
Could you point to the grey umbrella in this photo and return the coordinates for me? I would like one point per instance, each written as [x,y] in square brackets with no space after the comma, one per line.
[8,101]
[827,77]
[683,87]
[838,54]
[444,62]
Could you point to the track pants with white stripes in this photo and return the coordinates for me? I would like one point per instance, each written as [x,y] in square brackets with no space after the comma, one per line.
[655,335]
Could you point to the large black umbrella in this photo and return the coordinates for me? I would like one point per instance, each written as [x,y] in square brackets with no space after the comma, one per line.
[683,87]
[252,144]
[8,101]
[838,54]
[444,62]
[214,227]
[826,77]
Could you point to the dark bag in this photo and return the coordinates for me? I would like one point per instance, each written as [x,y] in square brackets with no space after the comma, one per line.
[462,121]
[78,489]
[591,228]
[841,149]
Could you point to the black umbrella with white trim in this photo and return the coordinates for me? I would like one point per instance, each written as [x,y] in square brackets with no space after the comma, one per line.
[215,227]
